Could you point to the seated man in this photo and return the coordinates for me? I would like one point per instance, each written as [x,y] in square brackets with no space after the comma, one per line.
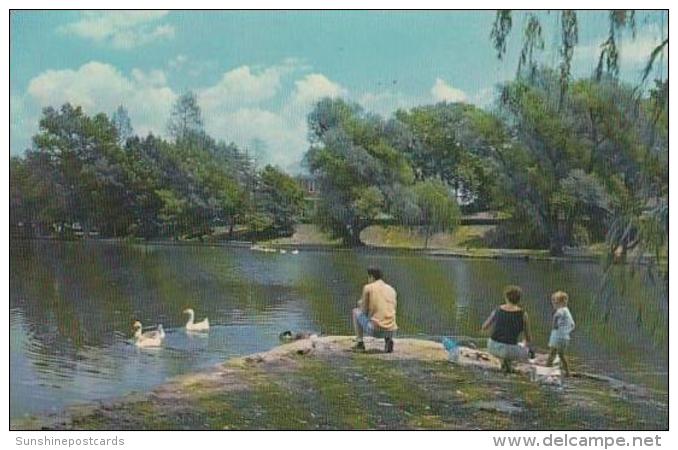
[376,311]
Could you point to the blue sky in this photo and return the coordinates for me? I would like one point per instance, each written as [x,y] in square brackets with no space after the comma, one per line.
[257,74]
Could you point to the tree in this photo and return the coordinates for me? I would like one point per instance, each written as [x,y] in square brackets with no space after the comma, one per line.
[438,209]
[77,172]
[622,128]
[608,60]
[281,198]
[186,118]
[144,166]
[122,123]
[86,164]
[173,211]
[356,162]
[548,151]
[436,151]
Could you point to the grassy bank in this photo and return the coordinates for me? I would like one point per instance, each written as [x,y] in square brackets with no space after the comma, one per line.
[392,236]
[323,385]
[465,241]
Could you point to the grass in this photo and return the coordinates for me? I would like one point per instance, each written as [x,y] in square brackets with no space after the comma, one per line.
[305,234]
[397,236]
[344,390]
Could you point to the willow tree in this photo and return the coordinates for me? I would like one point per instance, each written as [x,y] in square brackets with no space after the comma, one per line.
[608,58]
[355,160]
[438,209]
[638,141]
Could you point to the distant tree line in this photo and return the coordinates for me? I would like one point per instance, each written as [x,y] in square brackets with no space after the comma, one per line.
[96,173]
[567,162]
[573,167]
[565,168]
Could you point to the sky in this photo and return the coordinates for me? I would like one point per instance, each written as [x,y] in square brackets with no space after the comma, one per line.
[257,74]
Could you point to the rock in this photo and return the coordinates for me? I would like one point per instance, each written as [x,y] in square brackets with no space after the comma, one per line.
[501,406]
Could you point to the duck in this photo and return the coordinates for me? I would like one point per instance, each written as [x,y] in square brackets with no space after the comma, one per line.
[149,338]
[196,326]
[290,336]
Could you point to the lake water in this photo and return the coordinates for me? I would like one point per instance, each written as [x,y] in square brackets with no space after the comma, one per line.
[72,305]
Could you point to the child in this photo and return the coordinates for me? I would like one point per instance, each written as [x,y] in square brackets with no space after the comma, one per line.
[563,324]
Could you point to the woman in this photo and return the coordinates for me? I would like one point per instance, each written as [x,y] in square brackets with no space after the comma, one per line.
[508,322]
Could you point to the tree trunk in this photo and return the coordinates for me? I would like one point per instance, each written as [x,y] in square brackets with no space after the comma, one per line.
[230,229]
[352,236]
[556,245]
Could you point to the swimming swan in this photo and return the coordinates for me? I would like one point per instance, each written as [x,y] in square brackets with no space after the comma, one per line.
[149,338]
[193,326]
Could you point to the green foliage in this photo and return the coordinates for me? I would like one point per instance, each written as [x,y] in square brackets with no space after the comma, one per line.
[185,120]
[579,162]
[438,209]
[568,167]
[122,124]
[357,161]
[369,203]
[537,167]
[83,165]
[608,60]
[440,147]
[78,173]
[281,198]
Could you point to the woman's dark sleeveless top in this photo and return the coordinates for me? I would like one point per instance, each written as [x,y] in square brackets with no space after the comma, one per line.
[507,326]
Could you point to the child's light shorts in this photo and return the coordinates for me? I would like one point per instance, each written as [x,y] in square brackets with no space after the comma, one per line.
[558,341]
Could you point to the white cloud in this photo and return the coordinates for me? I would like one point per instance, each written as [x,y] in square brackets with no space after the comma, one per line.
[313,87]
[443,92]
[100,87]
[234,109]
[152,78]
[632,52]
[484,97]
[177,62]
[385,103]
[23,120]
[268,104]
[284,137]
[120,29]
[242,86]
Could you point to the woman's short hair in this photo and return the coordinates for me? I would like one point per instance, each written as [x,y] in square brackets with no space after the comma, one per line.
[513,293]
[375,273]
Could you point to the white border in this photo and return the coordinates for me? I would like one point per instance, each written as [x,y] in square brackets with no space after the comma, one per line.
[284,440]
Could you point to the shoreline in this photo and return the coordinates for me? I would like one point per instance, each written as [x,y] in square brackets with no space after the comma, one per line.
[319,383]
[467,253]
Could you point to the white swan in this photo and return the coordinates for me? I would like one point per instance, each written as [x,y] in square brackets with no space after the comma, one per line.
[149,338]
[196,326]
[295,252]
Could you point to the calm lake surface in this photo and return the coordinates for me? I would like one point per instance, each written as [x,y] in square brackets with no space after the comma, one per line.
[72,306]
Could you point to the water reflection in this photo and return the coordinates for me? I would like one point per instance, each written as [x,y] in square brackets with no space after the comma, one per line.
[72,305]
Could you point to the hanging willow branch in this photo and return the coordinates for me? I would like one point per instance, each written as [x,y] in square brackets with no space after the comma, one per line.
[569,39]
[658,51]
[500,31]
[608,60]
[532,41]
